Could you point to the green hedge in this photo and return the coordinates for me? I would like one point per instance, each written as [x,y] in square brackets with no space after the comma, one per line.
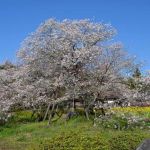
[81,141]
[126,141]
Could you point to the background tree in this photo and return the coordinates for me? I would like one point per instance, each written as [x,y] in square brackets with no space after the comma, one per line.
[8,88]
[137,73]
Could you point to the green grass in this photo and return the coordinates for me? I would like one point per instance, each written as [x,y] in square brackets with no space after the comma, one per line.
[24,133]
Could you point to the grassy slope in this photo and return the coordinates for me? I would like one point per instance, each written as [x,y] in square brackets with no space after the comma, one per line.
[78,133]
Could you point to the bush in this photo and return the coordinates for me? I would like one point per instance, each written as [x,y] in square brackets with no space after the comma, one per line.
[22,117]
[126,141]
[74,141]
[4,117]
[120,119]
[100,141]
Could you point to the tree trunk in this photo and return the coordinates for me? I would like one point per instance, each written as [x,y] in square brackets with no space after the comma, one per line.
[103,111]
[48,108]
[87,113]
[47,111]
[73,103]
[87,108]
[51,114]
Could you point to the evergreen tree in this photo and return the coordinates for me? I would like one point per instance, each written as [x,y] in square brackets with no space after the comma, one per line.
[137,73]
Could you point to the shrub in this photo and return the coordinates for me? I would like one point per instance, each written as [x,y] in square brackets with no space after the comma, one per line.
[97,141]
[22,117]
[74,141]
[126,141]
[4,117]
[125,118]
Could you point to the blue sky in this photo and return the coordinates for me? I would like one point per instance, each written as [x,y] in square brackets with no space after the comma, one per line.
[18,18]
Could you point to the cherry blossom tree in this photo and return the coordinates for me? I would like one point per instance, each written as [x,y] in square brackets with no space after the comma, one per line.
[7,85]
[65,61]
[71,59]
